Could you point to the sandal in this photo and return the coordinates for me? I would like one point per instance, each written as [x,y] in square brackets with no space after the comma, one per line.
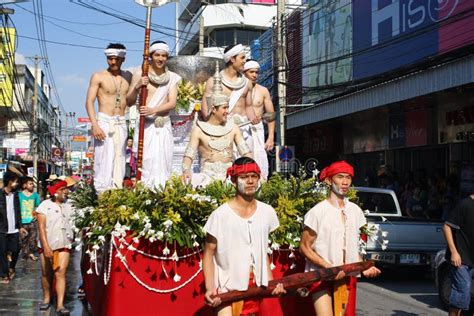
[63,311]
[4,280]
[44,306]
[33,257]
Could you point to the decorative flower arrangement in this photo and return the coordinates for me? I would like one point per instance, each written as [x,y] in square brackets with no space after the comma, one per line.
[188,94]
[177,212]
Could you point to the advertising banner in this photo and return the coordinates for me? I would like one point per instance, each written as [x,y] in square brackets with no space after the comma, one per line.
[327,40]
[397,33]
[7,55]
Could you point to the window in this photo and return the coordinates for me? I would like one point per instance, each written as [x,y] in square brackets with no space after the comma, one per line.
[225,37]
[377,202]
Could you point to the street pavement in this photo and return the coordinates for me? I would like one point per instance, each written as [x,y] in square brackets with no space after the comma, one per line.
[22,295]
[398,293]
[394,293]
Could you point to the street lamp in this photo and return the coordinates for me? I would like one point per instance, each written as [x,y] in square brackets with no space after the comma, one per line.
[149,4]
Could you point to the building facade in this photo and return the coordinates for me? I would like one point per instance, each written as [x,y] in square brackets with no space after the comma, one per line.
[224,23]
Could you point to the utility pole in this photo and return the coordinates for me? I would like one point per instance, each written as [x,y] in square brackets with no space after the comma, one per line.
[35,141]
[201,35]
[281,72]
[70,115]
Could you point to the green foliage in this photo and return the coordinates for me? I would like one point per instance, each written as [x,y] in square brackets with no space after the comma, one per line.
[178,212]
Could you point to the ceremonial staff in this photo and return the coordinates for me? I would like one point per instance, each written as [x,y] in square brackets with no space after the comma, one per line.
[149,4]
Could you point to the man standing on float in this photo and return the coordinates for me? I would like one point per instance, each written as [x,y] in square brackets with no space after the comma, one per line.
[162,86]
[109,127]
[261,103]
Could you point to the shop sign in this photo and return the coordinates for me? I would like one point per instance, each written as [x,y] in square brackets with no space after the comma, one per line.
[416,128]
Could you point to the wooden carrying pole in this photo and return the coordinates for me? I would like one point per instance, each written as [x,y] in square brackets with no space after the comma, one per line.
[296,282]
[143,92]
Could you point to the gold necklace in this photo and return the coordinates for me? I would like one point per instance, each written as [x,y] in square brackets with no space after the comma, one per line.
[118,97]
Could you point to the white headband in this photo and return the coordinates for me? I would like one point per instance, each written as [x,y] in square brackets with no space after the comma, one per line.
[251,64]
[119,52]
[234,51]
[161,47]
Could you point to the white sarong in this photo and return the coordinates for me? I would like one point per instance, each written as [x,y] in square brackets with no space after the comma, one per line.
[210,171]
[157,162]
[259,152]
[109,154]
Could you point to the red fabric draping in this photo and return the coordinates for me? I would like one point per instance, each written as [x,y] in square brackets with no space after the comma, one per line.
[123,295]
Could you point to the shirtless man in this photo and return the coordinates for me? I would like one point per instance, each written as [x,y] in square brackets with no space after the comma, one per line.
[214,139]
[162,86]
[262,103]
[237,88]
[109,127]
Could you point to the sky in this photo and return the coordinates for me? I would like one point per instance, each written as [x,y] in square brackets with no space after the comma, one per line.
[90,32]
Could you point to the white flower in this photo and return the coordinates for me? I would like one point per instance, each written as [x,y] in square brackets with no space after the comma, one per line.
[136,240]
[123,207]
[89,271]
[168,223]
[374,237]
[88,234]
[147,202]
[166,251]
[366,212]
[385,242]
[384,247]
[269,251]
[275,246]
[78,247]
[176,278]
[362,251]
[159,235]
[77,239]
[151,231]
[152,239]
[272,266]
[121,246]
[384,234]
[136,216]
[102,238]
[130,247]
[292,266]
[195,244]
[96,247]
[193,236]
[292,255]
[299,219]
[174,256]
[315,173]
[383,219]
[147,226]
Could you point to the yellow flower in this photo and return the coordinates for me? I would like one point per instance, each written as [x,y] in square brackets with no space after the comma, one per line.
[197,107]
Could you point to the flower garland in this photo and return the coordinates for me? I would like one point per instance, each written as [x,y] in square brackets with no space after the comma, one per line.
[167,291]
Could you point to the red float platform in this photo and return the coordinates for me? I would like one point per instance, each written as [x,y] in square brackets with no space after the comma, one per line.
[146,286]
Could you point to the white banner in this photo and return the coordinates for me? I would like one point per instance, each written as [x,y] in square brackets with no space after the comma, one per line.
[16,143]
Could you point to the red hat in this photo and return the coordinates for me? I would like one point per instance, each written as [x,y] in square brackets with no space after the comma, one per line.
[52,189]
[237,170]
[335,168]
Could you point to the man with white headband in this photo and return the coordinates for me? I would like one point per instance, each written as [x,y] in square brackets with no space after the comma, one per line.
[214,139]
[162,86]
[261,103]
[237,87]
[109,128]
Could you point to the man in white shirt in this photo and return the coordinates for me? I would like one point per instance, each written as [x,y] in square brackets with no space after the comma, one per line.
[10,227]
[235,253]
[330,236]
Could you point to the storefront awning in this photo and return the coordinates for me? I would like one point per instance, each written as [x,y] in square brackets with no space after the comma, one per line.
[448,75]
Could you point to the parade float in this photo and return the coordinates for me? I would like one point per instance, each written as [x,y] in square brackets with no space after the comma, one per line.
[142,248]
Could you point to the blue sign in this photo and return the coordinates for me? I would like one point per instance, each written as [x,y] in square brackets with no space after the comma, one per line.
[285,154]
[392,33]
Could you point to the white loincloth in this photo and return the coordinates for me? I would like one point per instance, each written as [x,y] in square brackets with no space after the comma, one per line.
[109,154]
[157,161]
[259,152]
[210,171]
[245,130]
